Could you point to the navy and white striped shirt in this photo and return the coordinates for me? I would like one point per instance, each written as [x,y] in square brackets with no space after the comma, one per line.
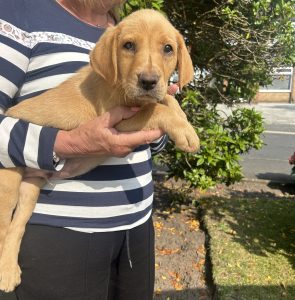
[41,45]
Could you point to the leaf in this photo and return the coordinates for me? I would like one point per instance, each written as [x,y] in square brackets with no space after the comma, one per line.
[176,281]
[158,291]
[193,224]
[166,251]
[158,225]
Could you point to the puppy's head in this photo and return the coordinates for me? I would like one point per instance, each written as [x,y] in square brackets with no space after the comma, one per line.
[140,54]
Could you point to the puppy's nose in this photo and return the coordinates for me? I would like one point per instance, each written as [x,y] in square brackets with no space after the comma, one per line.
[148,81]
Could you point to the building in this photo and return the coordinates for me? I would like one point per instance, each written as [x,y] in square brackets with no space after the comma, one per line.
[282,88]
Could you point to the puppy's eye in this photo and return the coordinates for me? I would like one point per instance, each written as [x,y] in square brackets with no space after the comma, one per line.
[129,46]
[168,49]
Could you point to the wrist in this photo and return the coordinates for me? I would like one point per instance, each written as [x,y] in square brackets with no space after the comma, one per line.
[62,146]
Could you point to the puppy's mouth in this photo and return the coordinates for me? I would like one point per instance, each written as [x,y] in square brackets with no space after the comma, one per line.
[154,95]
[154,98]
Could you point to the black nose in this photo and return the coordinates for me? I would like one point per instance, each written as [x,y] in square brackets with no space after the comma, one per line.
[147,81]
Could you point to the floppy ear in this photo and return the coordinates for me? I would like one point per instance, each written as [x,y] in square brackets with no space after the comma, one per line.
[103,58]
[185,65]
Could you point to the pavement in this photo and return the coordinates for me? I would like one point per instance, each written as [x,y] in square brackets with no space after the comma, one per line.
[282,114]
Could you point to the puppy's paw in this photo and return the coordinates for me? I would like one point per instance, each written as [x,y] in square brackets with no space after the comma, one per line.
[10,276]
[185,138]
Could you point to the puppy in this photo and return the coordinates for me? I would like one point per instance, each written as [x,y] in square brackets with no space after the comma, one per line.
[126,67]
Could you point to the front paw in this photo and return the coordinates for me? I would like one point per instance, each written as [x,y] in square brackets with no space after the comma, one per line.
[185,138]
[9,276]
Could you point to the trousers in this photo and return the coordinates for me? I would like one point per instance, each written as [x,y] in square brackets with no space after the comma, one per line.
[62,264]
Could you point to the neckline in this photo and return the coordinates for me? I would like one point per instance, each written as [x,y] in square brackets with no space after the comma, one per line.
[73,16]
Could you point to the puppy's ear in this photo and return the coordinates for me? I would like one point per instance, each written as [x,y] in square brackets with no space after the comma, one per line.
[103,58]
[185,65]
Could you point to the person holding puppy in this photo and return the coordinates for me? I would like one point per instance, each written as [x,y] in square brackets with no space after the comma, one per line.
[90,237]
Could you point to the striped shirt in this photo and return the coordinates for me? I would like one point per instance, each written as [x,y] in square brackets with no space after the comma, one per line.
[41,45]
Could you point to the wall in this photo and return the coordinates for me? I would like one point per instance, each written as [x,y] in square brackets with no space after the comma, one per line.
[272,97]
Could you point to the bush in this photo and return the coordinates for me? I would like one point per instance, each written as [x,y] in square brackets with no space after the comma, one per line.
[223,139]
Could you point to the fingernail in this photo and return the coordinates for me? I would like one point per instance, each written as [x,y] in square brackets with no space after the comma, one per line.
[135,108]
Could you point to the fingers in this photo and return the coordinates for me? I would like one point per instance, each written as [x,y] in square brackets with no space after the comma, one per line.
[119,113]
[136,138]
[124,143]
[99,137]
[173,89]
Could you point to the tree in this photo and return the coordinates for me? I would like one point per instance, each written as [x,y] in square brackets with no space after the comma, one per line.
[234,47]
[235,44]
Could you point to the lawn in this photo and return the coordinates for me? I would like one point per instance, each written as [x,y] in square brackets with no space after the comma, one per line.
[252,247]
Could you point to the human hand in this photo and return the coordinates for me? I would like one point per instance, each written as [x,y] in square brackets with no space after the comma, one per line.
[173,89]
[99,137]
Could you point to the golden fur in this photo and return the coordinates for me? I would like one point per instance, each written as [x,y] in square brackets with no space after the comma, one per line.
[111,79]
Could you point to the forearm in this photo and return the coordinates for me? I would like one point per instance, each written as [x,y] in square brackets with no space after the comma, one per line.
[26,144]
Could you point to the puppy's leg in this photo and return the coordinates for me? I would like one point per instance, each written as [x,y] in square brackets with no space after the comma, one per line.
[155,115]
[9,269]
[174,105]
[10,180]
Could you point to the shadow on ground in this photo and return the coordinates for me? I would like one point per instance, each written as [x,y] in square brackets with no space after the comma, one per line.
[277,177]
[190,294]
[235,293]
[255,223]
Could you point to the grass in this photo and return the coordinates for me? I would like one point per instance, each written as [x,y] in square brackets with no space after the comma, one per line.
[252,247]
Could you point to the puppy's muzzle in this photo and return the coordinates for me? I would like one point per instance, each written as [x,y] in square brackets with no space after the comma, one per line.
[147,81]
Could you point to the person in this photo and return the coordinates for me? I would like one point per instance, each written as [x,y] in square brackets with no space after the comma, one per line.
[90,237]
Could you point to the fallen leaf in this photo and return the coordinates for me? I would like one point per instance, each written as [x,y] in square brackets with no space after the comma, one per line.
[177,286]
[175,279]
[166,251]
[193,224]
[158,291]
[158,225]
[200,265]
[201,250]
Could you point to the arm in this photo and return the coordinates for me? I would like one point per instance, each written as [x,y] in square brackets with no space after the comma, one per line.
[26,144]
[22,143]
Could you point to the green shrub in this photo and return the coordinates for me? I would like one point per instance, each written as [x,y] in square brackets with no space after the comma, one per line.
[224,138]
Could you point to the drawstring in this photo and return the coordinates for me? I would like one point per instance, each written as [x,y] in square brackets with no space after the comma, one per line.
[128,248]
